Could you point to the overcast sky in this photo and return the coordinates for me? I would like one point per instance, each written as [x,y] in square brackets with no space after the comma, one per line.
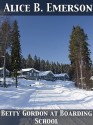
[48,36]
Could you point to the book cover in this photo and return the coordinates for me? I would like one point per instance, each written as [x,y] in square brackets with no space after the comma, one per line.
[46,70]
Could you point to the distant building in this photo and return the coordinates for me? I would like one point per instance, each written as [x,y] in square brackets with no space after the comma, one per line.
[1,72]
[33,74]
[62,76]
[46,75]
[29,73]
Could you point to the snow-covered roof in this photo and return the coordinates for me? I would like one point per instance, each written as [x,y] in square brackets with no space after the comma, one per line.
[61,75]
[29,69]
[91,78]
[1,68]
[44,73]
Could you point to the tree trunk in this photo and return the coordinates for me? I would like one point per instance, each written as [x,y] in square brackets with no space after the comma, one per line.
[16,78]
[4,69]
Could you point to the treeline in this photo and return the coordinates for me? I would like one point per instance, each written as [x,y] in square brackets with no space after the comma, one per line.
[43,65]
[38,64]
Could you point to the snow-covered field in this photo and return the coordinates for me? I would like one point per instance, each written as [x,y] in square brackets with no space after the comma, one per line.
[45,95]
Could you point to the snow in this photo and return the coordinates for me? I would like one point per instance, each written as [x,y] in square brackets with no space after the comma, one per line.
[91,78]
[32,94]
[1,68]
[29,69]
[60,75]
[44,73]
[8,81]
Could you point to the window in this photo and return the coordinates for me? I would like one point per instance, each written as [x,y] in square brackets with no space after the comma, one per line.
[35,74]
[30,74]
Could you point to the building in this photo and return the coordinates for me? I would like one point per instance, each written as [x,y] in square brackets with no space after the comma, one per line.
[33,74]
[29,73]
[62,76]
[46,75]
[1,72]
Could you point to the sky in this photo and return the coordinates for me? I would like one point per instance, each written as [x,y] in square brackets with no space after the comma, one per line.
[48,36]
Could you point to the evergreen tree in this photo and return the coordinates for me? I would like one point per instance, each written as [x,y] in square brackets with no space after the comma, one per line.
[79,57]
[54,67]
[8,59]
[38,63]
[92,69]
[5,36]
[62,71]
[47,67]
[59,68]
[24,63]
[1,61]
[42,65]
[29,62]
[15,50]
[66,68]
[35,62]
[5,41]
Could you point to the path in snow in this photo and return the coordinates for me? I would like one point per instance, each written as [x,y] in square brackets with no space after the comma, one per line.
[46,95]
[61,97]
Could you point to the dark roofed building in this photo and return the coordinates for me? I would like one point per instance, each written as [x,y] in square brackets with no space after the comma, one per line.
[62,76]
[29,73]
[46,75]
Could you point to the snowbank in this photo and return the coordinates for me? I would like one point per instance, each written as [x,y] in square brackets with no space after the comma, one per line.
[8,81]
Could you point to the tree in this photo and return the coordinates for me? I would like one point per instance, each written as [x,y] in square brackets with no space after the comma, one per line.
[15,50]
[42,65]
[47,65]
[92,69]
[1,61]
[37,62]
[23,64]
[5,41]
[80,57]
[8,59]
[66,68]
[29,62]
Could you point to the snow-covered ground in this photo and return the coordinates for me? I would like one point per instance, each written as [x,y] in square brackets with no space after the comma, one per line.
[32,94]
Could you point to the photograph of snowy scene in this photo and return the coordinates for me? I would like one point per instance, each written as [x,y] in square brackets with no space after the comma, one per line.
[46,62]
